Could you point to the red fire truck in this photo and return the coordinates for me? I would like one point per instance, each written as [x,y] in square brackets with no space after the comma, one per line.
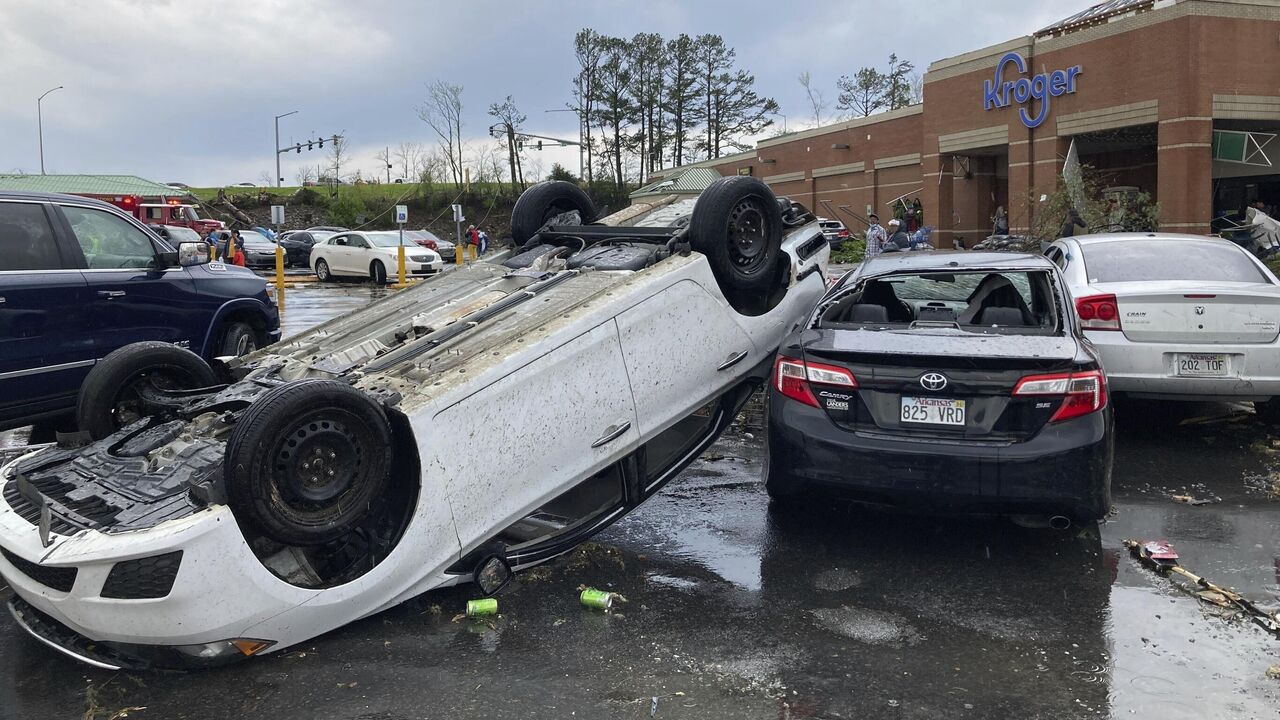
[163,211]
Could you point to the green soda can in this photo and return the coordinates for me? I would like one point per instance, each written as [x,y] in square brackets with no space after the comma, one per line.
[484,607]
[597,599]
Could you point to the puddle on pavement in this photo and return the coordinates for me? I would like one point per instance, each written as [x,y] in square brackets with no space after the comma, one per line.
[872,627]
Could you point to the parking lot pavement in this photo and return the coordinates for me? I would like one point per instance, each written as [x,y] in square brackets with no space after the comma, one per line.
[738,610]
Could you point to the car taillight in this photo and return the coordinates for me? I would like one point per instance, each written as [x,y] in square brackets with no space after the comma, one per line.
[792,377]
[1082,392]
[843,234]
[1098,312]
[431,245]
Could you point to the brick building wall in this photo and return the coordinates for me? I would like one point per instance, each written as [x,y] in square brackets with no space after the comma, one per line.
[1172,69]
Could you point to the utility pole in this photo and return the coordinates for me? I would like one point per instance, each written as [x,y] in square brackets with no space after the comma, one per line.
[278,178]
[387,156]
[40,125]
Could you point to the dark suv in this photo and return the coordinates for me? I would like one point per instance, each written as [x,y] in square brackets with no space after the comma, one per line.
[79,279]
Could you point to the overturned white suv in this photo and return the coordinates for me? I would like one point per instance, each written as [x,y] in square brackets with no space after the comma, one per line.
[475,424]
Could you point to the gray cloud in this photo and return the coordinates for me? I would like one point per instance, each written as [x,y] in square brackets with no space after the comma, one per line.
[175,90]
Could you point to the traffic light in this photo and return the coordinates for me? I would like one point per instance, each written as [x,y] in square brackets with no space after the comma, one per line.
[539,144]
[298,147]
[308,146]
[322,144]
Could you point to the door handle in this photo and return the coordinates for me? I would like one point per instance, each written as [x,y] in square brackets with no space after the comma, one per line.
[611,433]
[1,301]
[732,360]
[111,294]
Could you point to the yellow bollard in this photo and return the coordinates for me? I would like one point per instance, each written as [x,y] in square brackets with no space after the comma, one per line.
[400,265]
[279,268]
[471,250]
[280,302]
[213,253]
[458,253]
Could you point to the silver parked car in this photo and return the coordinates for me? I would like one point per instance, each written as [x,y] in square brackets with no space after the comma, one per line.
[1177,317]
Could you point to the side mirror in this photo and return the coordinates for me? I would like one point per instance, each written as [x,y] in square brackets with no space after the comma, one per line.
[191,253]
[492,574]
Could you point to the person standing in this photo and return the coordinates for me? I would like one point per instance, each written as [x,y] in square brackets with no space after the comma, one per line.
[1000,223]
[483,241]
[237,250]
[876,236]
[898,237]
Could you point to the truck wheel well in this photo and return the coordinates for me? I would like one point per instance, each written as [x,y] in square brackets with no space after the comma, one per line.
[247,316]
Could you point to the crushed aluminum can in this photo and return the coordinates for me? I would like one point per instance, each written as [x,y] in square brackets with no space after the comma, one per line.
[596,599]
[484,607]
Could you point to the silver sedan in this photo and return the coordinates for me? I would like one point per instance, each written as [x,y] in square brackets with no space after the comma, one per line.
[1177,317]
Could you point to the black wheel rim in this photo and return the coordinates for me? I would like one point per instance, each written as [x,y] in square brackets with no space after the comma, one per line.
[318,464]
[748,236]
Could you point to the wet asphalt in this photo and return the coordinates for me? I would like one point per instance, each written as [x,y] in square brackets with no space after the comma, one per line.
[736,609]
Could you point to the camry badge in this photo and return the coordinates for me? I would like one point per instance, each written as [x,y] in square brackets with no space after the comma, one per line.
[933,381]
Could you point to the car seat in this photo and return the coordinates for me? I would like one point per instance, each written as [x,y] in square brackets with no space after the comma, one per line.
[994,294]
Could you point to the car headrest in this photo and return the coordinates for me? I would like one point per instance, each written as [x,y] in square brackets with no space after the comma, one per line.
[1001,316]
[868,313]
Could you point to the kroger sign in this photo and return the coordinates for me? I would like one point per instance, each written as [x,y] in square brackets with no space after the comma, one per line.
[1000,93]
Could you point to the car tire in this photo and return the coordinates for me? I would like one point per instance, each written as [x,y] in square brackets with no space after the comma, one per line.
[307,460]
[322,271]
[237,339]
[737,224]
[378,272]
[542,202]
[108,397]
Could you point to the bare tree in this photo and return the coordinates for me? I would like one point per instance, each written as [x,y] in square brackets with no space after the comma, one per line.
[305,174]
[431,167]
[916,81]
[816,100]
[338,156]
[442,112]
[265,180]
[510,119]
[383,156]
[406,155]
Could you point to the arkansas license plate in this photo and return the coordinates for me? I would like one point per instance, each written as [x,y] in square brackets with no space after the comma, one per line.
[1202,364]
[932,411]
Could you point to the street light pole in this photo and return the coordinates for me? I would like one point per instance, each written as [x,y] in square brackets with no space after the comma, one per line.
[278,178]
[581,138]
[784,121]
[40,125]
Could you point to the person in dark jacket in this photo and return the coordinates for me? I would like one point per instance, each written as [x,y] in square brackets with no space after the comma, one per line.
[897,236]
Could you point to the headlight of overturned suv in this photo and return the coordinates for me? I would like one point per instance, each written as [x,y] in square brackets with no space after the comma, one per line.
[321,480]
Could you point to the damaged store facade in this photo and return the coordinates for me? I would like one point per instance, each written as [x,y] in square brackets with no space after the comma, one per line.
[1179,99]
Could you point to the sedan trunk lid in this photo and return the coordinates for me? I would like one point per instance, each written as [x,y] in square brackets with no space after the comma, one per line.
[1190,312]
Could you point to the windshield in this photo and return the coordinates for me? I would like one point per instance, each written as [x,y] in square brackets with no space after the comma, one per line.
[1013,302]
[179,234]
[256,240]
[1155,259]
[388,240]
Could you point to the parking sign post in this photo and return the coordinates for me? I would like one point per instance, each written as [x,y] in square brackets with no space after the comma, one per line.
[402,217]
[458,219]
[277,219]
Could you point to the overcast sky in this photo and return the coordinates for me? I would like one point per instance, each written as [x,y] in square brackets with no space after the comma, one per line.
[186,91]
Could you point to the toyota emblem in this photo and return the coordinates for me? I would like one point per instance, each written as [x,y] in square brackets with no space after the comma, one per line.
[1199,309]
[933,381]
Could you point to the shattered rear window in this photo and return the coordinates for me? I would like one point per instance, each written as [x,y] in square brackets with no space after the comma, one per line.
[1010,302]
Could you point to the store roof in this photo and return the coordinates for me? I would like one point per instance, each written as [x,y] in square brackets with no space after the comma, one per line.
[1102,12]
[691,181]
[87,185]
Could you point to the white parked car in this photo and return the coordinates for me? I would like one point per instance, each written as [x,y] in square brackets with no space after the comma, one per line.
[372,255]
[481,423]
[1177,317]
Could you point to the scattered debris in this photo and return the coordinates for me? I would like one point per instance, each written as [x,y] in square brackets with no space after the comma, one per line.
[484,607]
[598,599]
[1189,500]
[1160,556]
[1273,672]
